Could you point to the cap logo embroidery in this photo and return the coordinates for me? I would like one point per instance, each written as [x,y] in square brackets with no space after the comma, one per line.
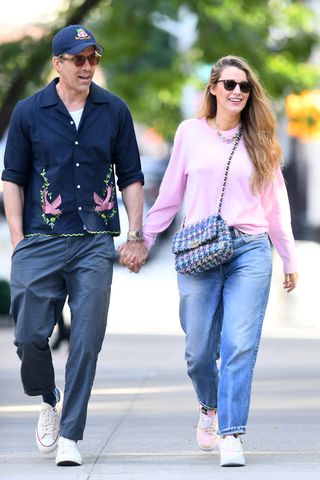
[82,34]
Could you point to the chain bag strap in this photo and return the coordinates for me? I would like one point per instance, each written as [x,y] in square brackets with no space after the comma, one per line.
[224,182]
[205,244]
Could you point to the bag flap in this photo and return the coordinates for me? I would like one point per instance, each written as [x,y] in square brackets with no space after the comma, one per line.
[196,234]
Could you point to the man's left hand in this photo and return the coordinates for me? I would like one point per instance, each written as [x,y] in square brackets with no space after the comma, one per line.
[132,255]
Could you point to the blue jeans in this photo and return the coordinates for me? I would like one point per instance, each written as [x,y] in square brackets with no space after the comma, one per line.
[45,270]
[221,313]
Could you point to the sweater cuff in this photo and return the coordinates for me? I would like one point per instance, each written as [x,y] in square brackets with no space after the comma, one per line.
[149,240]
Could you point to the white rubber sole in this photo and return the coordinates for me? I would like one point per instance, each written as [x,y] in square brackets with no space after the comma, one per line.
[233,461]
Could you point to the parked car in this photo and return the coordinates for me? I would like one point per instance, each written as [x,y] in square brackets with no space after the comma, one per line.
[153,170]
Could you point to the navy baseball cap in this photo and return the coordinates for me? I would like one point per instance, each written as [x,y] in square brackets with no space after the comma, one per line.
[73,39]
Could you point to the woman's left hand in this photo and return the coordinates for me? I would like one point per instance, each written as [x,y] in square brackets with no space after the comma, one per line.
[290,281]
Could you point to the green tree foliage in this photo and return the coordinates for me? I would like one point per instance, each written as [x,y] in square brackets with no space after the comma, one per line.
[24,63]
[145,65]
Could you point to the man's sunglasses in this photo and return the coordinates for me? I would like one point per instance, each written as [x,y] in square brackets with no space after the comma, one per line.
[80,60]
[230,85]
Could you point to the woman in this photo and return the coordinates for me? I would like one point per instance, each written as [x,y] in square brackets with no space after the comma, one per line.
[222,310]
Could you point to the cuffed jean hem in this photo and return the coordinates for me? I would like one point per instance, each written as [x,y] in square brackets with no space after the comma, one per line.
[228,431]
[206,406]
[71,435]
[36,393]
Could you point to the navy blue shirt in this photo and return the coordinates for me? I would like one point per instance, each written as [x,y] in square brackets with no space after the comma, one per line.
[68,175]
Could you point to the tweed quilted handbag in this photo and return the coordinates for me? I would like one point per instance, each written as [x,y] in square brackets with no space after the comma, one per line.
[207,243]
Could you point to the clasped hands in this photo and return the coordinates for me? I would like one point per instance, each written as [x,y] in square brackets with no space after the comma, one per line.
[132,255]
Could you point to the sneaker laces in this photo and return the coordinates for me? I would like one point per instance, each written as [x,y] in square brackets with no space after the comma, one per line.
[48,419]
[206,422]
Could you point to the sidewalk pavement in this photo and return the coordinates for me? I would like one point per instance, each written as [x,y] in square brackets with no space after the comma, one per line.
[142,415]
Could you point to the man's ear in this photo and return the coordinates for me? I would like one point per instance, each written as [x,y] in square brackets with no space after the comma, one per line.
[56,62]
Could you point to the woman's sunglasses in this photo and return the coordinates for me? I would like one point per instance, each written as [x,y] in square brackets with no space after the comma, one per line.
[80,60]
[230,85]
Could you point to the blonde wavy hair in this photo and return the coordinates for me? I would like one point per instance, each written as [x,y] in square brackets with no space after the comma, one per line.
[258,121]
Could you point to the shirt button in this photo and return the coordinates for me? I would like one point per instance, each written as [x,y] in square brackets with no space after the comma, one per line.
[80,208]
[71,122]
[78,186]
[76,142]
[77,164]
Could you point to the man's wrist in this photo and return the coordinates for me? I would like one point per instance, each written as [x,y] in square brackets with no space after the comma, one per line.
[135,236]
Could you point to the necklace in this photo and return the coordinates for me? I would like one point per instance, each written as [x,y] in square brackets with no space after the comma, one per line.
[222,137]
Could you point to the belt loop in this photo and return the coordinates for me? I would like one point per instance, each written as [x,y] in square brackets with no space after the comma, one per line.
[234,232]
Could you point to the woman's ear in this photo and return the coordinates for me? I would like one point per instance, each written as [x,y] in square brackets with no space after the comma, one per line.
[212,89]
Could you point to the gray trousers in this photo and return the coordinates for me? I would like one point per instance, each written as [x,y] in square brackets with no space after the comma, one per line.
[45,271]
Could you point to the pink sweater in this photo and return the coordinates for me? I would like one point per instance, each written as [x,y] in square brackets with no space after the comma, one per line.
[194,178]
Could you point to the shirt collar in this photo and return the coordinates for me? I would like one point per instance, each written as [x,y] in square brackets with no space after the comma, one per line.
[50,97]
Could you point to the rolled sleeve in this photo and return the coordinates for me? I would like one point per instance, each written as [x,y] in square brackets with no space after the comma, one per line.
[18,152]
[127,158]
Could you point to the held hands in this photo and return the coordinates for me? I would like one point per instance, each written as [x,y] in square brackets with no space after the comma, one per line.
[132,255]
[290,281]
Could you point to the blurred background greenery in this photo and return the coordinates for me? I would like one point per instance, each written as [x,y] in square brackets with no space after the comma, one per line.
[158,56]
[159,52]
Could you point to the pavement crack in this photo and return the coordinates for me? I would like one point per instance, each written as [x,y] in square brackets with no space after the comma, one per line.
[119,423]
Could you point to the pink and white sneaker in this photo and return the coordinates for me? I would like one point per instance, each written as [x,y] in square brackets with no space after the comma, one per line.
[207,437]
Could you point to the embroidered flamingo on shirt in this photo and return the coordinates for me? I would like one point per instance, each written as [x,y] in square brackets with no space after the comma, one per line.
[51,208]
[105,204]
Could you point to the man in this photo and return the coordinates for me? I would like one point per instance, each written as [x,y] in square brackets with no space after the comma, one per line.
[63,146]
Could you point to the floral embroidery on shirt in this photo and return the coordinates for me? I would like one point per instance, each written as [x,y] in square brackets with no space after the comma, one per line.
[105,203]
[50,210]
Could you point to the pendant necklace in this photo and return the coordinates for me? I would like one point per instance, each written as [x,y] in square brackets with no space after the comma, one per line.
[222,137]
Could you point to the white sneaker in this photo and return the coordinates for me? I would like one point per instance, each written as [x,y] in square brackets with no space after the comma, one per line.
[68,454]
[231,452]
[47,432]
[207,437]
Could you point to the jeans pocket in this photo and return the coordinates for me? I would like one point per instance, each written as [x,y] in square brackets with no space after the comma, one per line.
[18,247]
[250,238]
[109,250]
[26,242]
